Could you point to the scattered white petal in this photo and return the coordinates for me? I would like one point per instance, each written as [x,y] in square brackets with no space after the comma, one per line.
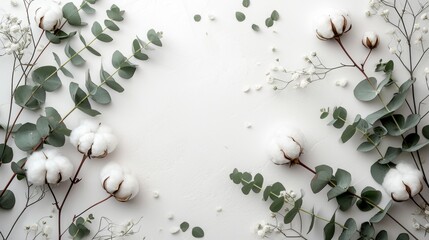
[246,89]
[341,82]
[174,230]
[257,87]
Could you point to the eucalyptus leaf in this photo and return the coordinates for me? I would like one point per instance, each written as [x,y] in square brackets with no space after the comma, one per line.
[240,16]
[290,215]
[27,137]
[7,200]
[347,199]
[47,77]
[71,13]
[154,37]
[349,231]
[6,153]
[197,232]
[322,177]
[277,204]
[329,229]
[246,3]
[111,25]
[255,28]
[184,226]
[275,15]
[115,13]
[366,90]
[380,215]
[75,58]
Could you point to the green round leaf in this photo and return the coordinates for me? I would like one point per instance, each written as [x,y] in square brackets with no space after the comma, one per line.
[184,226]
[255,27]
[366,90]
[350,230]
[246,3]
[382,235]
[197,232]
[240,16]
[27,137]
[6,153]
[7,200]
[275,15]
[197,17]
[269,22]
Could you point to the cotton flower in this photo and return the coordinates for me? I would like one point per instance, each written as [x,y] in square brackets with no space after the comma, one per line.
[49,17]
[48,166]
[403,182]
[119,182]
[286,146]
[93,139]
[370,40]
[333,25]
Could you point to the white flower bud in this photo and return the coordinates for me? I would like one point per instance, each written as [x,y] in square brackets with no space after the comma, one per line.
[286,146]
[333,25]
[424,16]
[370,40]
[92,139]
[119,182]
[49,17]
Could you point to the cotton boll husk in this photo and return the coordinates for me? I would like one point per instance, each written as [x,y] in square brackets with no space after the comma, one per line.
[35,167]
[65,166]
[129,188]
[85,142]
[99,145]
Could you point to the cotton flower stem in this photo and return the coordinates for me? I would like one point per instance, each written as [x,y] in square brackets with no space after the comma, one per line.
[72,183]
[366,59]
[93,205]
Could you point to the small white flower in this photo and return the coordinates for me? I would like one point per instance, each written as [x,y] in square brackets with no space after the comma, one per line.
[48,166]
[14,3]
[286,146]
[392,50]
[370,40]
[424,16]
[119,182]
[333,25]
[47,230]
[384,13]
[367,13]
[304,83]
[49,17]
[416,225]
[93,139]
[341,82]
[416,26]
[313,54]
[270,80]
[403,182]
[426,70]
[295,76]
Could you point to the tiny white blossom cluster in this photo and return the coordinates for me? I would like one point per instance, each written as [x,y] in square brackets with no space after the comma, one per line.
[263,229]
[93,139]
[403,182]
[119,182]
[15,36]
[286,146]
[375,7]
[41,227]
[48,166]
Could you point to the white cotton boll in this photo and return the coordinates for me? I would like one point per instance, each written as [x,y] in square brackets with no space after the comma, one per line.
[324,27]
[85,142]
[291,149]
[52,171]
[35,168]
[406,168]
[393,185]
[128,189]
[49,17]
[111,141]
[275,153]
[413,182]
[65,166]
[78,132]
[111,177]
[370,40]
[286,145]
[99,146]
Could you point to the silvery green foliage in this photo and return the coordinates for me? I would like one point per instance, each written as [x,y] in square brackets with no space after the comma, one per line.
[32,84]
